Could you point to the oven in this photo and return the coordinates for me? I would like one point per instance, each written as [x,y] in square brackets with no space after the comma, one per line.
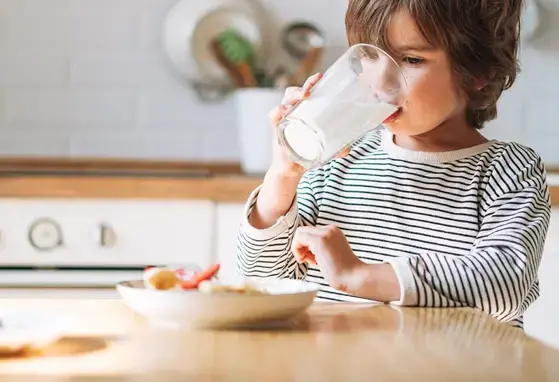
[96,243]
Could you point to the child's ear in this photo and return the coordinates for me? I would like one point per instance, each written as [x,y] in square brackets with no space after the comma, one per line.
[479,84]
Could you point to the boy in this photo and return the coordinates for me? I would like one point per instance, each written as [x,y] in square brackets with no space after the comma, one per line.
[428,213]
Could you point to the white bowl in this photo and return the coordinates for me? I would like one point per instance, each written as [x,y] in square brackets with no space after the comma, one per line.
[285,299]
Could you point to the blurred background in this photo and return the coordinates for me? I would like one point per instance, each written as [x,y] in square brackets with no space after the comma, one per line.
[91,78]
[132,131]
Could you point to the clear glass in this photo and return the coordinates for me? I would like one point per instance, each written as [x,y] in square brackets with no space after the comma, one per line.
[357,93]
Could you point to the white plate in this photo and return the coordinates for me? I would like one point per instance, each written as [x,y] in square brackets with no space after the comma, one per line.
[27,331]
[193,309]
[191,25]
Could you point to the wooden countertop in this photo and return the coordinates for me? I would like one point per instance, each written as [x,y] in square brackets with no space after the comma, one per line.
[330,342]
[111,178]
[219,188]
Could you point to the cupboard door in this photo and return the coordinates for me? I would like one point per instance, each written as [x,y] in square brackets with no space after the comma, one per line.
[228,220]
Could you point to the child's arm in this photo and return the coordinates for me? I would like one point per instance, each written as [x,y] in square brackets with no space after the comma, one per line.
[499,276]
[265,251]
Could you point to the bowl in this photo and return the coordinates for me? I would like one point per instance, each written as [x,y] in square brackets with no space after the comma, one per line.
[282,300]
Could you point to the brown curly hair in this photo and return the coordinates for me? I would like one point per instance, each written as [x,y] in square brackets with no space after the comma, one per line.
[480,38]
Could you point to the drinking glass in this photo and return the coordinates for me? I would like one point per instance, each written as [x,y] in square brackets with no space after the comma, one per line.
[356,94]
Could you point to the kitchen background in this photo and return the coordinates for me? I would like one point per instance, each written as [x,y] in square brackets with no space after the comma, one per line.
[89,79]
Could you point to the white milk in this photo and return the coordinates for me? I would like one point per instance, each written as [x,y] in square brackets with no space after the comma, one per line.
[332,123]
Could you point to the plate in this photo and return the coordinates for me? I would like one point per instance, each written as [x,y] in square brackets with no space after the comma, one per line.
[23,331]
[191,25]
[192,309]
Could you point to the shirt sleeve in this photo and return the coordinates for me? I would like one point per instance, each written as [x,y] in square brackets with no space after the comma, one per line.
[500,274]
[267,252]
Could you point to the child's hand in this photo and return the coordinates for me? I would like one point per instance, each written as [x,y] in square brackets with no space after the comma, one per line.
[281,164]
[327,247]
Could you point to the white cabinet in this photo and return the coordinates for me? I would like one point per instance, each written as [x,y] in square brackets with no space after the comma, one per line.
[542,318]
[228,218]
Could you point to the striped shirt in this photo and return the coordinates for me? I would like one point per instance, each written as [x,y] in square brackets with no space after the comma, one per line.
[463,228]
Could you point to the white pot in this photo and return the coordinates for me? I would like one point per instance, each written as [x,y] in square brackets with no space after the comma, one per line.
[255,133]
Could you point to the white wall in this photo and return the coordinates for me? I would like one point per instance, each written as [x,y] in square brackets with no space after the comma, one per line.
[87,78]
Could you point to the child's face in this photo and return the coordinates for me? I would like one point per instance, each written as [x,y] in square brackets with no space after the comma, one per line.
[432,97]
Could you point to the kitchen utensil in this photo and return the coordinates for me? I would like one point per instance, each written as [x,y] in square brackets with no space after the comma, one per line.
[305,43]
[308,65]
[237,50]
[188,30]
[235,74]
[193,309]
[300,37]
[356,94]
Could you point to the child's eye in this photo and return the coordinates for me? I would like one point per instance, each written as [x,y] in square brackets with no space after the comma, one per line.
[413,60]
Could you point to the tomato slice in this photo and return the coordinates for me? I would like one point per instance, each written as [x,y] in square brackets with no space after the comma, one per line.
[208,273]
[189,284]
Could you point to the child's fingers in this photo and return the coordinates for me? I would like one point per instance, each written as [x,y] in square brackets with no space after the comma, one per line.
[310,258]
[276,115]
[292,96]
[302,254]
[310,83]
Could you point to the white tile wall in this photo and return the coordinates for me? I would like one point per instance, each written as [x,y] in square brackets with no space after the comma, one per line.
[87,78]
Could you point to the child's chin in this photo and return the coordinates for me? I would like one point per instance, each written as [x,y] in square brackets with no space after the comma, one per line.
[397,128]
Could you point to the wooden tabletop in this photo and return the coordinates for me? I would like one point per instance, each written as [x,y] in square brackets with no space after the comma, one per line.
[330,342]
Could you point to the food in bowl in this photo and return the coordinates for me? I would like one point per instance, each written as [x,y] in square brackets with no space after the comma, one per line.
[161,278]
[209,287]
[164,278]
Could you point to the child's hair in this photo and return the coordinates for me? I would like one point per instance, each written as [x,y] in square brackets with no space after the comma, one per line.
[479,36]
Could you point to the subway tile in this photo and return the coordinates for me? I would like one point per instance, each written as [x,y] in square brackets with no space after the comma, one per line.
[150,22]
[43,105]
[509,124]
[125,68]
[182,106]
[540,114]
[33,67]
[545,145]
[33,144]
[220,142]
[72,23]
[179,145]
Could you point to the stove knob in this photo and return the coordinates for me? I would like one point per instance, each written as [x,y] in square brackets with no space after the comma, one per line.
[106,235]
[45,234]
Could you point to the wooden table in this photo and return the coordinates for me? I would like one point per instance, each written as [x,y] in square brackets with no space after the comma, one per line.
[331,342]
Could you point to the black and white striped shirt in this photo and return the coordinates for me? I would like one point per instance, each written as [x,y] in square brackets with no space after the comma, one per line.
[462,229]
